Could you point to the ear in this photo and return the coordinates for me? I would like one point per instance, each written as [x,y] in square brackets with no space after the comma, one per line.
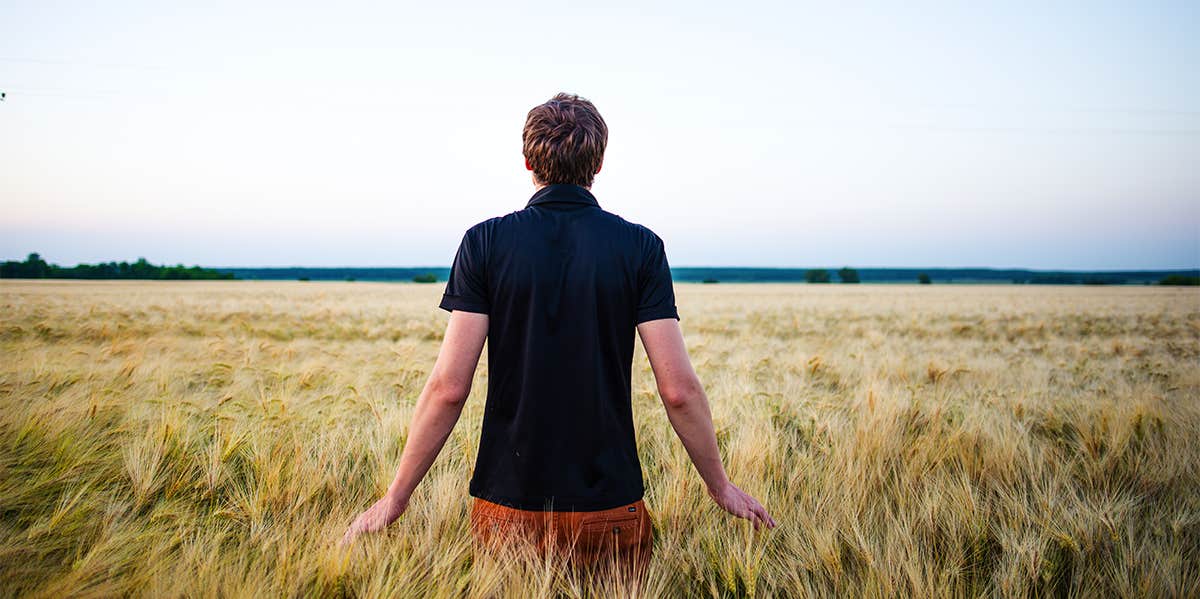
[599,167]
[528,166]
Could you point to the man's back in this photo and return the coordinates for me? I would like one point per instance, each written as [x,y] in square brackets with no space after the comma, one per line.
[558,289]
[564,284]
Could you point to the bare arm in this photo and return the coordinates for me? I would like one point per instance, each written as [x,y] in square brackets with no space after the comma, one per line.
[438,408]
[687,409]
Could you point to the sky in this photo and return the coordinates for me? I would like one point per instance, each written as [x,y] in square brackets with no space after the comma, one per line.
[1039,135]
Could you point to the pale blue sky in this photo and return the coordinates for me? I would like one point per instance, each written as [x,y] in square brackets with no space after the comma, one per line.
[1036,135]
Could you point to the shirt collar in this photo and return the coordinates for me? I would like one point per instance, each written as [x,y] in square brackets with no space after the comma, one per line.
[563,192]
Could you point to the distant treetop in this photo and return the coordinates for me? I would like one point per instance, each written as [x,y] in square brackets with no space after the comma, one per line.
[34,267]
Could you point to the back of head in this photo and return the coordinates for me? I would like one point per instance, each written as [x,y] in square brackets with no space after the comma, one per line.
[564,141]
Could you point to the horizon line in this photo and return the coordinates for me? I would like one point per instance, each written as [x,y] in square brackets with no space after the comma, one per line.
[995,268]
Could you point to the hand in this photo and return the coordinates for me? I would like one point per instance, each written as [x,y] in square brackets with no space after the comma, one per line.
[377,517]
[740,504]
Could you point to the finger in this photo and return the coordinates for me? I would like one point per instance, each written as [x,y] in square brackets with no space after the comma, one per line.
[759,521]
[749,514]
[764,516]
[356,528]
[759,511]
[757,508]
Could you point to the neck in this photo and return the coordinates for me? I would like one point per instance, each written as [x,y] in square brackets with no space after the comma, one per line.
[538,187]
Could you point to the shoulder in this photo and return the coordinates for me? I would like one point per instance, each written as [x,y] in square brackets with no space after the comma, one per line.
[500,223]
[647,246]
[485,226]
[481,232]
[649,241]
[648,237]
[644,235]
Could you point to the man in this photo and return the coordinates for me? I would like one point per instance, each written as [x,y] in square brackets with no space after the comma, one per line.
[558,288]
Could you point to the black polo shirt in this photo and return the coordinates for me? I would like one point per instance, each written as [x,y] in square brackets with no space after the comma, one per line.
[564,284]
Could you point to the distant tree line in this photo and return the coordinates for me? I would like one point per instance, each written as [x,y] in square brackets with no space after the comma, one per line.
[1180,280]
[1100,279]
[1071,279]
[820,275]
[927,275]
[34,267]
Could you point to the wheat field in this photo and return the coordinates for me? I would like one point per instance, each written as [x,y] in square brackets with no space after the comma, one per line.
[215,438]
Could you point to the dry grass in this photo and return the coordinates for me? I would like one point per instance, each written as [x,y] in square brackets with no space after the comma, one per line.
[213,439]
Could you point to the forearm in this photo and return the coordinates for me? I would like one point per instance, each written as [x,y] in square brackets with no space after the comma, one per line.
[692,421]
[435,416]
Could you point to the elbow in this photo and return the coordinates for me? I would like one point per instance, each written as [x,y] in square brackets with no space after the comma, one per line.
[682,395]
[448,392]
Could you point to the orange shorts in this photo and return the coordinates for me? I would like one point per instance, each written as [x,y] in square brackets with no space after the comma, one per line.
[624,533]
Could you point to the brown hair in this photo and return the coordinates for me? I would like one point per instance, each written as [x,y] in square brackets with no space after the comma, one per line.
[564,140]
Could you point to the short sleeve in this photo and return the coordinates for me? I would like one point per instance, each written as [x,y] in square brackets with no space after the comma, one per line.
[466,290]
[656,293]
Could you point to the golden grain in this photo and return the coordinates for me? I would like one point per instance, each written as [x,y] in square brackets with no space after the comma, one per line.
[214,439]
